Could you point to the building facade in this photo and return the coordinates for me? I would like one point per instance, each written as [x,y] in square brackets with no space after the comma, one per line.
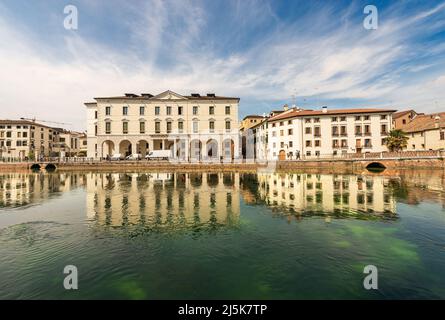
[192,127]
[314,133]
[426,132]
[23,139]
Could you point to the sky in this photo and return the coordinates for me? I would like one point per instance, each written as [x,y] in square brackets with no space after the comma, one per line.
[268,53]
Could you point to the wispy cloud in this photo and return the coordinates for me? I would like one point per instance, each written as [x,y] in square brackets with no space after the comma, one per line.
[262,51]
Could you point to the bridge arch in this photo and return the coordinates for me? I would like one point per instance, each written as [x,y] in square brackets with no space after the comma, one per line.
[50,167]
[376,166]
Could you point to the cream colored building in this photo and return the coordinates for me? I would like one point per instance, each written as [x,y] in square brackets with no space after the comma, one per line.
[192,127]
[426,132]
[318,133]
[21,139]
[69,143]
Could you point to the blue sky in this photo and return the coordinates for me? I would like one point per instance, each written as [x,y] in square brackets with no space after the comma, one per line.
[262,51]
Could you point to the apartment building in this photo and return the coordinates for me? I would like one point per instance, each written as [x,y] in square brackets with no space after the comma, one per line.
[402,118]
[194,127]
[69,143]
[313,133]
[22,139]
[426,132]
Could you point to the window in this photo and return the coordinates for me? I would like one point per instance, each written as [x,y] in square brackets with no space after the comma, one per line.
[344,143]
[358,118]
[95,130]
[334,119]
[169,111]
[142,127]
[180,126]
[18,143]
[367,130]
[317,132]
[307,120]
[281,133]
[308,143]
[317,143]
[179,110]
[141,111]
[316,120]
[19,134]
[227,110]
[442,135]
[195,126]
[211,110]
[367,143]
[227,125]
[169,126]
[281,123]
[107,127]
[383,117]
[273,125]
[281,144]
[289,122]
[124,127]
[308,130]
[343,131]
[384,130]
[274,133]
[195,110]
[212,126]
[107,111]
[157,127]
[404,121]
[342,118]
[291,144]
[335,143]
[308,153]
[290,132]
[157,110]
[358,130]
[25,134]
[366,118]
[125,111]
[334,131]
[95,114]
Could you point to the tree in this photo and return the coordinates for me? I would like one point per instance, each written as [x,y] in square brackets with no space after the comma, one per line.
[396,140]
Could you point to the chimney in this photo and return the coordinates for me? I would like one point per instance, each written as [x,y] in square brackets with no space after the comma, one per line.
[324,109]
[285,107]
[436,122]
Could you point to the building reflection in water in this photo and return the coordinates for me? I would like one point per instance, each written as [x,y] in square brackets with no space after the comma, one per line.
[326,194]
[164,200]
[176,200]
[24,189]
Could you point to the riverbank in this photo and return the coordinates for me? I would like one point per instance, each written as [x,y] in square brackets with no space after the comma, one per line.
[352,165]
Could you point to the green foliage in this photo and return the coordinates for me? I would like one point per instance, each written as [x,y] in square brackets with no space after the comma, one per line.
[397,140]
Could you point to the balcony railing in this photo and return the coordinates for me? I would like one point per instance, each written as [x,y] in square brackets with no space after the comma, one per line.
[335,134]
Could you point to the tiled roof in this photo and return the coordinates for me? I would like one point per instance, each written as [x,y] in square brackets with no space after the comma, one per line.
[302,113]
[401,113]
[252,116]
[424,122]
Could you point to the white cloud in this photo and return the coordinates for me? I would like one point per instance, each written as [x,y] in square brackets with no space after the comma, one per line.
[346,63]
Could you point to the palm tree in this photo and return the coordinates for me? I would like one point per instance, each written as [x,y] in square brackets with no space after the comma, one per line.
[397,140]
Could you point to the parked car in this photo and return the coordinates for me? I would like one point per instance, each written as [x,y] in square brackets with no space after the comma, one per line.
[117,157]
[158,155]
[134,156]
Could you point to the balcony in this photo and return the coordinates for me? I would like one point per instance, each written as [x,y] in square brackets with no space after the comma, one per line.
[335,146]
[383,133]
[344,134]
[358,134]
[344,146]
[368,134]
[367,145]
[335,134]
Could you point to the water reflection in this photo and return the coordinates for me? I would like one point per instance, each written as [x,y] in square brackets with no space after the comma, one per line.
[338,195]
[164,200]
[174,200]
